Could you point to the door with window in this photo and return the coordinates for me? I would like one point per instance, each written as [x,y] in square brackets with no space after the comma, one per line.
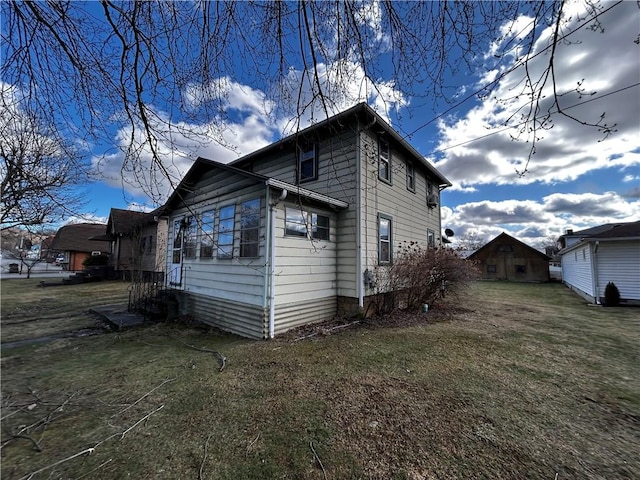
[175,272]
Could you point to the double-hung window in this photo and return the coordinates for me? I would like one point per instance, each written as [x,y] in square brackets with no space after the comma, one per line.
[250,228]
[206,234]
[226,223]
[431,238]
[384,161]
[384,239]
[411,177]
[307,163]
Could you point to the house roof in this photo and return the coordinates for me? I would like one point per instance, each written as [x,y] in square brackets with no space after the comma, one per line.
[606,232]
[77,238]
[123,222]
[368,116]
[202,165]
[505,237]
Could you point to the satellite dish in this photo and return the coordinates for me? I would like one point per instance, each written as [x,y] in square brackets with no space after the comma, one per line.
[448,232]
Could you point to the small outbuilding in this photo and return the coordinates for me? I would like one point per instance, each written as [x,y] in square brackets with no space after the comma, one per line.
[507,258]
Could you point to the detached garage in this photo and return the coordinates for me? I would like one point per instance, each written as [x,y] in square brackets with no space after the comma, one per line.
[506,258]
[608,253]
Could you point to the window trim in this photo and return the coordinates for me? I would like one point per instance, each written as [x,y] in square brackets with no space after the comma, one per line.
[382,142]
[303,150]
[388,218]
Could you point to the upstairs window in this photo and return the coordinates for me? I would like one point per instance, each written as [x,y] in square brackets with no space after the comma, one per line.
[225,231]
[411,177]
[384,239]
[206,234]
[384,161]
[250,228]
[307,163]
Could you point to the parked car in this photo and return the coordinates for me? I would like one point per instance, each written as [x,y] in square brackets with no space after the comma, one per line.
[59,260]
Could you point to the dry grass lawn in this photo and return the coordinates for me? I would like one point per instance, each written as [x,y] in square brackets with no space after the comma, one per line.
[511,381]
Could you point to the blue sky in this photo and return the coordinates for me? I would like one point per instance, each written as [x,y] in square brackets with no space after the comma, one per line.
[576,179]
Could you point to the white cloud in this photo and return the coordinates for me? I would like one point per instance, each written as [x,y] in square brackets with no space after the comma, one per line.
[533,221]
[607,62]
[250,123]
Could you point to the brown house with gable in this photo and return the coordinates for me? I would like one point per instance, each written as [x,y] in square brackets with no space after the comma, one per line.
[75,242]
[506,258]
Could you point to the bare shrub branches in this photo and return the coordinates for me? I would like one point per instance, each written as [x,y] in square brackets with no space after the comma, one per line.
[160,72]
[420,275]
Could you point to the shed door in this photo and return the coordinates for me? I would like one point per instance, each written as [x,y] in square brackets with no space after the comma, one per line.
[175,273]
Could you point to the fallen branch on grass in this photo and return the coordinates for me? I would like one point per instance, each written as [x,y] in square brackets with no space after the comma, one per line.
[324,473]
[85,451]
[221,358]
[325,331]
[251,444]
[142,397]
[204,457]
[91,450]
[36,445]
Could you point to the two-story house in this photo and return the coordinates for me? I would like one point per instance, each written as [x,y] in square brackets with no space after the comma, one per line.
[287,235]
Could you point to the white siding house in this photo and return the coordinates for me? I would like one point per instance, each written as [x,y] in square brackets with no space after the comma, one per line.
[608,253]
[284,236]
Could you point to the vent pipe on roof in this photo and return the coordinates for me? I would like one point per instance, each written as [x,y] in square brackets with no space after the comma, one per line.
[569,231]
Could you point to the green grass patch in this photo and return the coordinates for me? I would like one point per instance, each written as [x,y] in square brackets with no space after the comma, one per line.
[31,311]
[511,381]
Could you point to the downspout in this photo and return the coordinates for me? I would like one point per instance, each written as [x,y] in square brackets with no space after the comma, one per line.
[359,272]
[594,271]
[272,262]
[267,253]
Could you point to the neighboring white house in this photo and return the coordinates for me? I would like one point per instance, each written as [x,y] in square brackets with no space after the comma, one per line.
[608,253]
[289,234]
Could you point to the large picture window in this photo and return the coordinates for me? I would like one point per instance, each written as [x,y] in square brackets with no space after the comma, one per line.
[250,228]
[206,234]
[307,163]
[384,239]
[225,231]
[384,161]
